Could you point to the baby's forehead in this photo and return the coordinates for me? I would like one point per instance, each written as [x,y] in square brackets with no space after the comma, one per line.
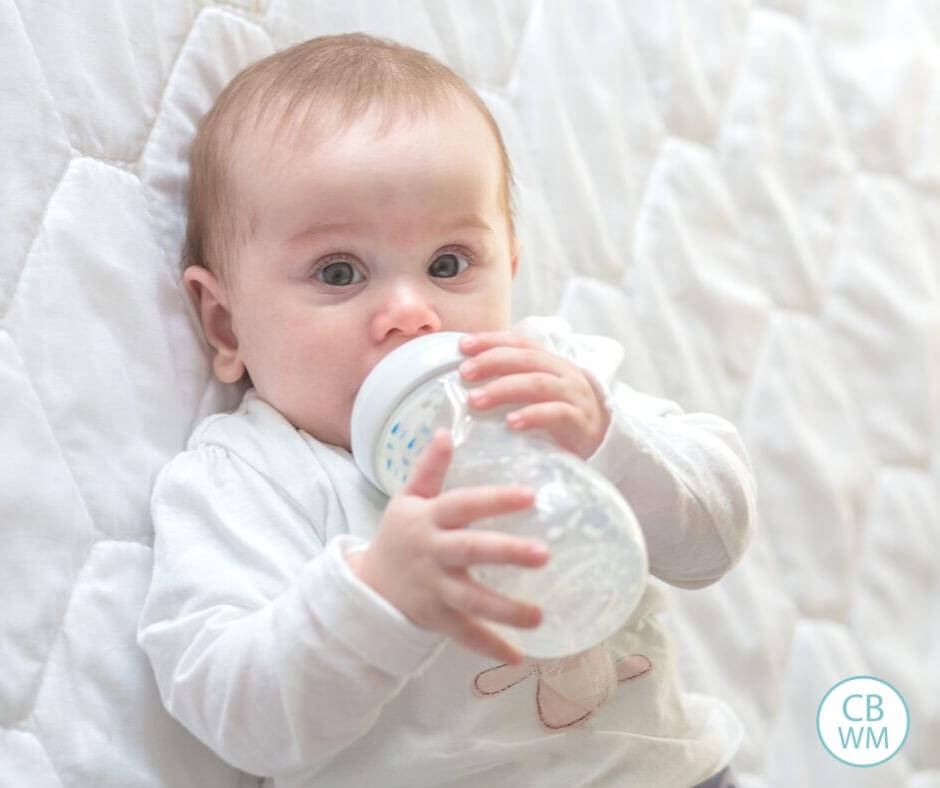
[278,135]
[273,147]
[269,185]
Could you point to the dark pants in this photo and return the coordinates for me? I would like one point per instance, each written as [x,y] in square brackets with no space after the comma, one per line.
[724,779]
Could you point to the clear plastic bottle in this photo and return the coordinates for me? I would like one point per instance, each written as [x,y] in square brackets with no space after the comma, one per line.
[598,566]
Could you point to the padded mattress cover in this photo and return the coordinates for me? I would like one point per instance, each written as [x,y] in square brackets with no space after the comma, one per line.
[746,195]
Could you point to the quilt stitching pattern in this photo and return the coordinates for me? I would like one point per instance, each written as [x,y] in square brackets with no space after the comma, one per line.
[746,195]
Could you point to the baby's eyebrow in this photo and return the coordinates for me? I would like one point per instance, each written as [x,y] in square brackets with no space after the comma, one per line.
[471,220]
[462,222]
[320,229]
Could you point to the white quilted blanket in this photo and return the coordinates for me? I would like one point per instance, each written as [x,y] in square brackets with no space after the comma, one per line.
[746,195]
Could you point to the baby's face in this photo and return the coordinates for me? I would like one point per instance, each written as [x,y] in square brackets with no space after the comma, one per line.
[359,244]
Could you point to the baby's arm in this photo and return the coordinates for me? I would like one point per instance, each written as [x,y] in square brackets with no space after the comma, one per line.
[264,643]
[689,481]
[686,476]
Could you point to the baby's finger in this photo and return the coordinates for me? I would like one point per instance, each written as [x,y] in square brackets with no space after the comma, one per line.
[523,387]
[459,507]
[472,344]
[467,596]
[462,548]
[505,360]
[554,417]
[562,421]
[431,467]
[476,637]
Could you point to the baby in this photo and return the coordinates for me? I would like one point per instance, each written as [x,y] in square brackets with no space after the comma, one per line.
[348,195]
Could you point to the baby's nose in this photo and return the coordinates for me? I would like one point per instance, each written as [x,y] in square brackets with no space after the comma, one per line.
[406,312]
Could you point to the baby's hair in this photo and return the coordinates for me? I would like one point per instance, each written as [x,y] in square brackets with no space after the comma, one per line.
[329,82]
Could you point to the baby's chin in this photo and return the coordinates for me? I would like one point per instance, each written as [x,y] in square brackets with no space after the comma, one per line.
[340,438]
[326,418]
[333,428]
[340,433]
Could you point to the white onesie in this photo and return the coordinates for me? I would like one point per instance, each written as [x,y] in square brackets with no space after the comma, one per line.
[268,648]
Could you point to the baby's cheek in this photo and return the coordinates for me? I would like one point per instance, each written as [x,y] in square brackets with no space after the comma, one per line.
[324,404]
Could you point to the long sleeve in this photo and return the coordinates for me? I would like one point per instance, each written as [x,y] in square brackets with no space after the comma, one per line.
[686,475]
[689,482]
[264,644]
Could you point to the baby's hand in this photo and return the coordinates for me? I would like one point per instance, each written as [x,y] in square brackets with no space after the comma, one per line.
[566,403]
[419,558]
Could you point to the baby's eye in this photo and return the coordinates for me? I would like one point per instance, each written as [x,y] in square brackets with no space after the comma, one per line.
[448,265]
[339,274]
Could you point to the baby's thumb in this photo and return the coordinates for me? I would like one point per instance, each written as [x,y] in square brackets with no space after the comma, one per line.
[429,472]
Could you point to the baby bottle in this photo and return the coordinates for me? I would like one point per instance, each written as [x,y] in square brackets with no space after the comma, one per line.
[597,568]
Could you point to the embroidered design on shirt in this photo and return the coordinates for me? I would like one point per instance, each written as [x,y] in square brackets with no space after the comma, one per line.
[569,690]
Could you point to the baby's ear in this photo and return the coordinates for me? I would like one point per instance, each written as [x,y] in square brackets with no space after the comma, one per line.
[212,303]
[515,251]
